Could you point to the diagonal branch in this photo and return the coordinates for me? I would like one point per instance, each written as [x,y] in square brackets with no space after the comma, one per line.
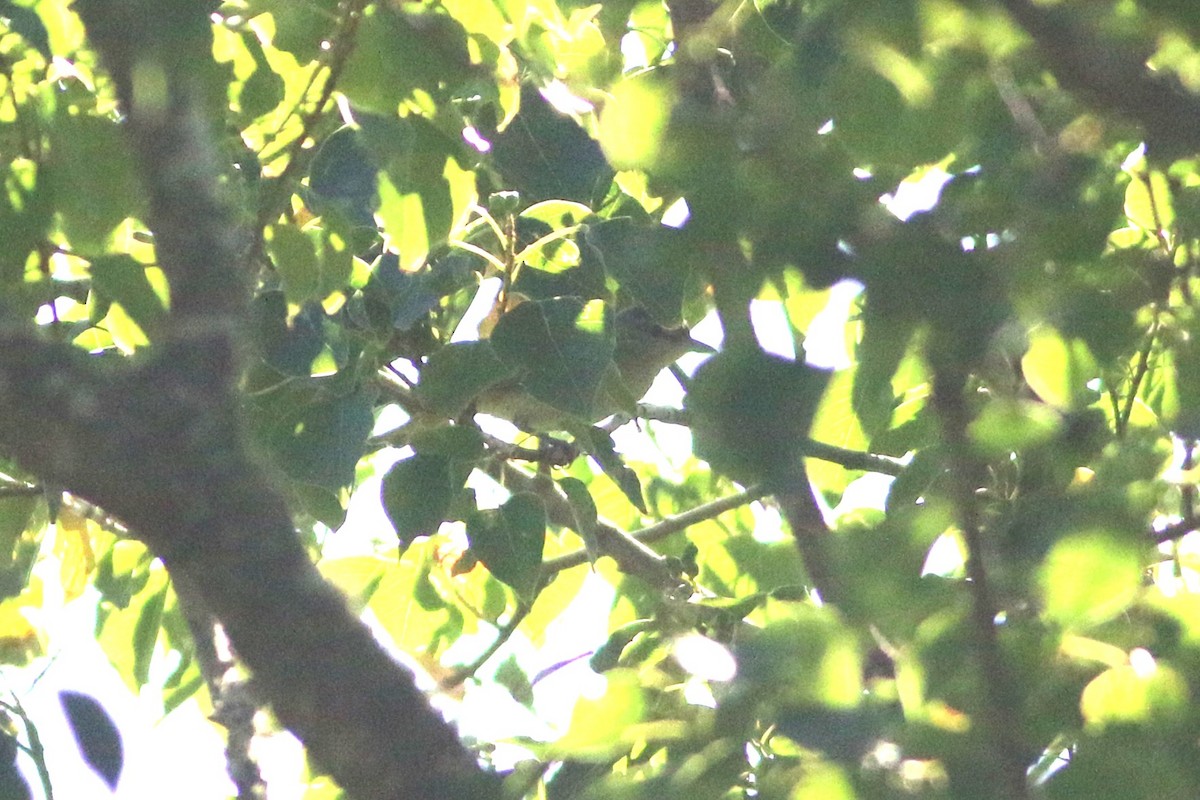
[1111,76]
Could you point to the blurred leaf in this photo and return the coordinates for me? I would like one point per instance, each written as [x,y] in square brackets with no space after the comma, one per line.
[1090,577]
[123,280]
[1134,693]
[843,735]
[1006,426]
[884,343]
[598,724]
[652,264]
[97,735]
[1058,370]
[26,23]
[294,256]
[402,49]
[26,212]
[751,412]
[92,178]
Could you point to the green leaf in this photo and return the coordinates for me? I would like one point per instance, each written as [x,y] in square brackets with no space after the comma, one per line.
[92,177]
[599,445]
[1185,416]
[459,443]
[122,279]
[26,23]
[315,436]
[300,25]
[417,494]
[294,255]
[289,346]
[264,89]
[343,168]
[546,155]
[509,541]
[1007,426]
[145,634]
[884,342]
[400,50]
[751,413]
[652,263]
[1090,577]
[457,373]
[599,725]
[1059,370]
[561,348]
[26,212]
[15,515]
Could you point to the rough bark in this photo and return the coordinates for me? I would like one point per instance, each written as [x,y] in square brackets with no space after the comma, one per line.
[157,441]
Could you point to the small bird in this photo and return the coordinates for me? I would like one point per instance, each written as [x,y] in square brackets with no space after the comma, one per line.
[643,349]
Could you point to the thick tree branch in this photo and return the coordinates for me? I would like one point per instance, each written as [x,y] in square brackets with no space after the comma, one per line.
[158,443]
[1110,76]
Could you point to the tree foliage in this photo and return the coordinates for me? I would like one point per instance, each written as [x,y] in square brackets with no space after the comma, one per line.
[263,261]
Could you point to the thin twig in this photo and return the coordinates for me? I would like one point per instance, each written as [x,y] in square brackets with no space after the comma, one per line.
[1139,374]
[505,633]
[850,459]
[609,537]
[1177,530]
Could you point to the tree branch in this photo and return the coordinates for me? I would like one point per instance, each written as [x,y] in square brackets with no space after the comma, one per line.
[1110,76]
[158,443]
[1000,696]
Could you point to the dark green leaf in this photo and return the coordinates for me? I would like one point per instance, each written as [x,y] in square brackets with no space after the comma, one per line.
[509,542]
[316,437]
[417,494]
[289,346]
[457,373]
[751,413]
[300,25]
[546,155]
[145,634]
[560,348]
[97,735]
[599,445]
[343,169]
[25,216]
[651,263]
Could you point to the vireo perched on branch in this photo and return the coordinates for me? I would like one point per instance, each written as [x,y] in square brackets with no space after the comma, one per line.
[643,348]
